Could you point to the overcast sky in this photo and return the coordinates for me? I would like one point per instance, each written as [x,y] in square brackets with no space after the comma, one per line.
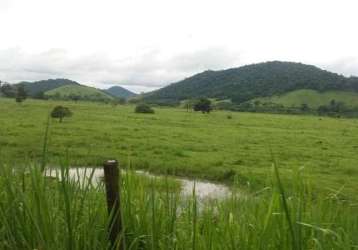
[147,44]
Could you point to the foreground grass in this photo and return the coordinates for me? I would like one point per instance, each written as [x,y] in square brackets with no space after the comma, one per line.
[184,143]
[41,213]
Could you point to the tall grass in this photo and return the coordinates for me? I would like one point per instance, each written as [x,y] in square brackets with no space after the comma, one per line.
[38,212]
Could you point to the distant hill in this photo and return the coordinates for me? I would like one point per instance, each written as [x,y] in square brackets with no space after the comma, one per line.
[253,81]
[78,92]
[312,98]
[34,88]
[118,91]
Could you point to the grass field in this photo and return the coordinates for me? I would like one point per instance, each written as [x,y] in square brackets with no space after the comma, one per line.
[313,98]
[186,143]
[314,208]
[189,144]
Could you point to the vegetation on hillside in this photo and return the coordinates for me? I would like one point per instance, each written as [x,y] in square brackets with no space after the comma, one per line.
[252,81]
[37,87]
[78,92]
[312,98]
[119,92]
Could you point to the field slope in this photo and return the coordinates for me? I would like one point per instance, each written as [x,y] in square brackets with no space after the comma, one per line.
[79,91]
[312,98]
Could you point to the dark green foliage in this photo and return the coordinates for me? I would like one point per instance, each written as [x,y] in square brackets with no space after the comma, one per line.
[40,95]
[33,88]
[74,97]
[304,107]
[61,112]
[252,81]
[335,109]
[203,105]
[21,94]
[120,92]
[144,108]
[118,101]
[8,90]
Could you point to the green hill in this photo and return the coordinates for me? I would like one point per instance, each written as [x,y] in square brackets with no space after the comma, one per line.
[78,92]
[34,88]
[252,81]
[119,91]
[312,98]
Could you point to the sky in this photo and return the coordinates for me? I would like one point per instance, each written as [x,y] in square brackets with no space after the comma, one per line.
[144,45]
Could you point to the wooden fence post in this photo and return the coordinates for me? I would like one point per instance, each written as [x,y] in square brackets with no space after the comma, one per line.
[111,179]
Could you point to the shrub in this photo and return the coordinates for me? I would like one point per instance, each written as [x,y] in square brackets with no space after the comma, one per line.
[61,112]
[21,94]
[203,105]
[144,109]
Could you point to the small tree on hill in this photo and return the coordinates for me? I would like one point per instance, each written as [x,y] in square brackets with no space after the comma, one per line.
[61,112]
[203,105]
[144,109]
[21,94]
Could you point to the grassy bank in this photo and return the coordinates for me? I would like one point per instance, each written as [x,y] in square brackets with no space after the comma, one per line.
[41,213]
[184,143]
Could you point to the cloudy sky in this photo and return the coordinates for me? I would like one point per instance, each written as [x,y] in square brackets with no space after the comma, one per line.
[146,44]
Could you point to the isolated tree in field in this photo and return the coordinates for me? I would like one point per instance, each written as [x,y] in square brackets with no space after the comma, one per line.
[118,101]
[203,105]
[60,112]
[21,94]
[144,109]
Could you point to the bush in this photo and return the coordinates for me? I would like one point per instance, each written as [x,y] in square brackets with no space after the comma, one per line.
[144,109]
[203,105]
[61,112]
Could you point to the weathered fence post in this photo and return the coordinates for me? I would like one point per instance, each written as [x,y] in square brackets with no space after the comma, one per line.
[111,179]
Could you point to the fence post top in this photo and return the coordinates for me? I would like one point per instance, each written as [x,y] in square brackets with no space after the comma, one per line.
[110,163]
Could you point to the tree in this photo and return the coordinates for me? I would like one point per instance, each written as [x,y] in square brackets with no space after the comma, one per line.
[7,90]
[74,97]
[118,101]
[21,94]
[304,107]
[203,105]
[40,95]
[61,112]
[144,109]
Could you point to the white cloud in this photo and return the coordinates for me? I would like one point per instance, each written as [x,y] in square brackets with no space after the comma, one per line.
[147,44]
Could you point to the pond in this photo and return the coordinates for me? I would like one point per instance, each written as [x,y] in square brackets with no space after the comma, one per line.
[203,189]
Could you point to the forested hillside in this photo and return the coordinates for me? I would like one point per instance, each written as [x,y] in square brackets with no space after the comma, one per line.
[253,81]
[34,88]
[119,92]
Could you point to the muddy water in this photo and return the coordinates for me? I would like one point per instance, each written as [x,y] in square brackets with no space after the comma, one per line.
[203,189]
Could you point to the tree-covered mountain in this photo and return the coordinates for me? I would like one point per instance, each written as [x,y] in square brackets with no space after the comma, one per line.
[253,81]
[34,88]
[120,92]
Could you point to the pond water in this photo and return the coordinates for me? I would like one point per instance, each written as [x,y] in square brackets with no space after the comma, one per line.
[203,189]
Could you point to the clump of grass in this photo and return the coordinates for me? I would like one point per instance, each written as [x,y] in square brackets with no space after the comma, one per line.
[41,213]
